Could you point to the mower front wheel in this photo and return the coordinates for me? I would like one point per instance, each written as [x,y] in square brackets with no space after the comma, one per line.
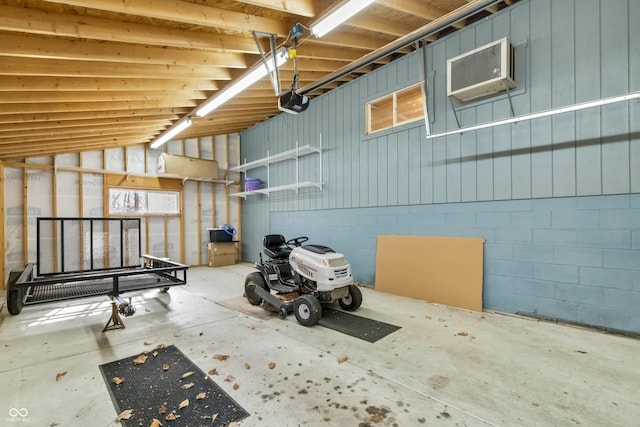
[352,301]
[307,309]
[254,279]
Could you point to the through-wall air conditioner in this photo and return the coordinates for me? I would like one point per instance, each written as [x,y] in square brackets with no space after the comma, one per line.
[481,72]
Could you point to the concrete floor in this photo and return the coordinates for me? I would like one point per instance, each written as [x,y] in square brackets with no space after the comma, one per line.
[445,366]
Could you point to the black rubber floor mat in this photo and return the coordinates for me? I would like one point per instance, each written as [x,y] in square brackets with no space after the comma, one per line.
[355,326]
[156,388]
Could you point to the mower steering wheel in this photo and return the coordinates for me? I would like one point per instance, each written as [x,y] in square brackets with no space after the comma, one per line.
[298,241]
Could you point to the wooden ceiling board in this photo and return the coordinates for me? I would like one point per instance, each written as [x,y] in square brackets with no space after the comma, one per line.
[80,75]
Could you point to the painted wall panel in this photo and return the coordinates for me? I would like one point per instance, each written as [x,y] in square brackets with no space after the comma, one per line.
[402,153]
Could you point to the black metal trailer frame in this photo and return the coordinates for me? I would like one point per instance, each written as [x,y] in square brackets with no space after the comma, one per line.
[30,286]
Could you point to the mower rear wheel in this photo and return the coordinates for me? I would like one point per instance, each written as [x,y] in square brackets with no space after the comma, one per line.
[307,309]
[254,279]
[352,301]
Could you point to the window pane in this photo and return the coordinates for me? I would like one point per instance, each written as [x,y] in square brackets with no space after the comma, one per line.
[409,105]
[381,116]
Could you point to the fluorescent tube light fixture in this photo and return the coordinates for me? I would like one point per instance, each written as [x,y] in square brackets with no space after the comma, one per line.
[339,15]
[546,113]
[170,133]
[244,82]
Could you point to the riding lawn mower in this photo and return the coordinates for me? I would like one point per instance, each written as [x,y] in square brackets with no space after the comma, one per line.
[300,279]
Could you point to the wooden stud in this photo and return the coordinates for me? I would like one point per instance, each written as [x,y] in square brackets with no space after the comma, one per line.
[2,239]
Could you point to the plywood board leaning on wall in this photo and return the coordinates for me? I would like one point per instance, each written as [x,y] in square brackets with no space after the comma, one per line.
[444,270]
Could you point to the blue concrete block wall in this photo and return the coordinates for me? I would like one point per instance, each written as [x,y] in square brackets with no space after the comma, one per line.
[532,268]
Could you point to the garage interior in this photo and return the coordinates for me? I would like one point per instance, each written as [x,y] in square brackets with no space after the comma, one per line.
[476,163]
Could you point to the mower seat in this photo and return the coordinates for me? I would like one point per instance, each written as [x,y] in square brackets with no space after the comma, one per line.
[275,246]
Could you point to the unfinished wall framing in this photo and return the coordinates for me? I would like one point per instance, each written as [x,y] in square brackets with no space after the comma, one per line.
[77,185]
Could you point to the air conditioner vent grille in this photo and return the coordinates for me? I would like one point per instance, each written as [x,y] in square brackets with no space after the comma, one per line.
[481,72]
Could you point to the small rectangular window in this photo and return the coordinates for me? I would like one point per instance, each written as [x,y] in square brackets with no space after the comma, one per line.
[395,109]
[380,114]
[409,105]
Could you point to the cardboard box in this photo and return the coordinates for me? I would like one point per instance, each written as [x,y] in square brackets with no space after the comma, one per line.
[444,270]
[169,164]
[221,254]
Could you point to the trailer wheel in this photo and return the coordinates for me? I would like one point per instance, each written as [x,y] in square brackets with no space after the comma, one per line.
[254,279]
[14,296]
[352,301]
[307,309]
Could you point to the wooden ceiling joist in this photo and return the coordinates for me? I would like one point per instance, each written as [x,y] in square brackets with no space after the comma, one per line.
[65,68]
[177,97]
[35,46]
[62,107]
[186,12]
[32,21]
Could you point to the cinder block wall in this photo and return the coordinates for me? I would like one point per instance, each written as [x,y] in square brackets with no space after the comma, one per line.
[575,259]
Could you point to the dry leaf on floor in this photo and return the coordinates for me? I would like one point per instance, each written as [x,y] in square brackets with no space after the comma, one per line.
[155,354]
[213,371]
[188,374]
[342,359]
[172,416]
[155,423]
[272,365]
[441,320]
[428,317]
[159,346]
[117,380]
[59,375]
[236,386]
[377,418]
[221,356]
[229,378]
[201,396]
[148,343]
[213,417]
[187,386]
[463,334]
[184,404]
[125,415]
[247,366]
[140,359]
[165,367]
[162,410]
